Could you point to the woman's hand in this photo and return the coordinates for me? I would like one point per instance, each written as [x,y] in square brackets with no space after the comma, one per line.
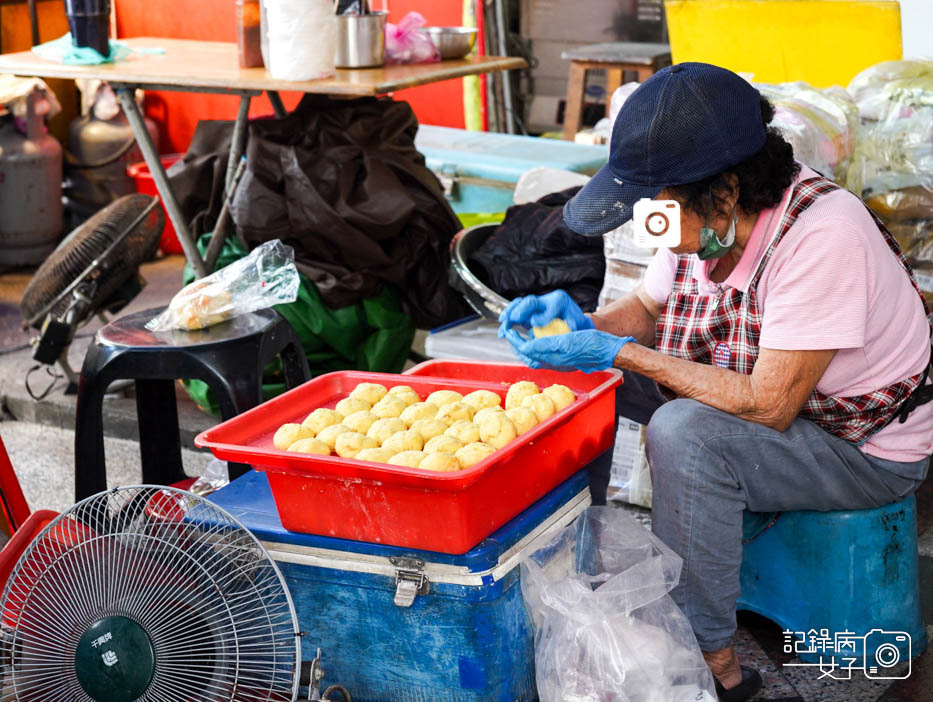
[539,310]
[588,350]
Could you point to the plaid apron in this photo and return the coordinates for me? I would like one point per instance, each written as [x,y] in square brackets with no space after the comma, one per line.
[724,329]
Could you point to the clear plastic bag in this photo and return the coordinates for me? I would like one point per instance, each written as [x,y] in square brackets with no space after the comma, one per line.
[819,124]
[892,167]
[214,477]
[266,277]
[406,43]
[630,476]
[605,628]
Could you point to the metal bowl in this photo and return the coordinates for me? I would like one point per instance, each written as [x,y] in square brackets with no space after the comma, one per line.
[452,42]
[486,301]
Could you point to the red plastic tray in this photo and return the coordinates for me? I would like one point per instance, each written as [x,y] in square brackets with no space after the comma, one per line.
[410,507]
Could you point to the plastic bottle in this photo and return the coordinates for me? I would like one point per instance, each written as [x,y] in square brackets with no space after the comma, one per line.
[248,33]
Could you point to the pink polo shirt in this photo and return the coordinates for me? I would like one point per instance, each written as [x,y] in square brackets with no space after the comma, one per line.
[833,283]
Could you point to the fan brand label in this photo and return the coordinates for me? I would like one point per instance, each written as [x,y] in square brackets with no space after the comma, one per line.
[101,640]
[110,658]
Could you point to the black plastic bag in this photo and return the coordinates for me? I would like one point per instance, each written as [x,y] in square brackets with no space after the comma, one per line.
[533,252]
[341,182]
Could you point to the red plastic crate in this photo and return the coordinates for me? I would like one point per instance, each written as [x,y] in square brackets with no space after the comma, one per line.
[410,507]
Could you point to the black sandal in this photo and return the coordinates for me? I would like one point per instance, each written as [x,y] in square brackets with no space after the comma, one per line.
[751,683]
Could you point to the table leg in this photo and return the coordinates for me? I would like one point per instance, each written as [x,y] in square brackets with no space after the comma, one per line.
[238,143]
[277,105]
[573,110]
[127,95]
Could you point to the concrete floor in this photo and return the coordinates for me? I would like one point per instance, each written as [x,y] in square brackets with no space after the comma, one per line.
[39,436]
[43,458]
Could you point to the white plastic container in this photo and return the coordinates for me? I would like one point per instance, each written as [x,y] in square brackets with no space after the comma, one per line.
[302,38]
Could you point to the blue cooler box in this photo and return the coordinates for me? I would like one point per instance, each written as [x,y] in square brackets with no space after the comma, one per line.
[397,625]
[479,169]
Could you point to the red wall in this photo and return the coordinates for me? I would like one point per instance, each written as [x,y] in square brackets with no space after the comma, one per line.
[215,20]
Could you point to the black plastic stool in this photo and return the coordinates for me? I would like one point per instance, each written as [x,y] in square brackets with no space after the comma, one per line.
[229,357]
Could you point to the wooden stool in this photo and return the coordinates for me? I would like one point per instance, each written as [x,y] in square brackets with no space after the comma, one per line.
[615,58]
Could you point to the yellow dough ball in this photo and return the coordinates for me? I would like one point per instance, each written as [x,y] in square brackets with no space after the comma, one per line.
[349,444]
[518,392]
[486,411]
[409,459]
[388,406]
[419,410]
[466,431]
[561,395]
[329,434]
[382,429]
[440,463]
[322,418]
[360,421]
[369,392]
[443,444]
[541,405]
[310,446]
[287,434]
[444,397]
[473,453]
[523,418]
[480,399]
[375,455]
[454,412]
[497,430]
[553,328]
[351,405]
[429,428]
[407,440]
[405,394]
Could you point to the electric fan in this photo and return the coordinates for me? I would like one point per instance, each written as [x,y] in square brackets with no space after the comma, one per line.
[147,593]
[94,269]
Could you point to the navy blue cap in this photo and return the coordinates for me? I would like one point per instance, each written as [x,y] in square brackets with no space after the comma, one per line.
[687,122]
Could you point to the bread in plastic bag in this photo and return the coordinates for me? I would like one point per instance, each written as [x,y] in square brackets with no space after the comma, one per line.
[606,629]
[406,43]
[266,277]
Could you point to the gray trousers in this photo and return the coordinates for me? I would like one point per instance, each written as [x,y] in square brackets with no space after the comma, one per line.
[708,466]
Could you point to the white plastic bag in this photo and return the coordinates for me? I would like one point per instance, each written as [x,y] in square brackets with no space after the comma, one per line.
[537,182]
[605,628]
[266,277]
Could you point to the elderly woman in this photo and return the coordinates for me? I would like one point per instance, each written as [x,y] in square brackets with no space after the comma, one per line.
[786,338]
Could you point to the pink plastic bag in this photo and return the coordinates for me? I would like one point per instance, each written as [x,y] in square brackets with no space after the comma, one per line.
[406,43]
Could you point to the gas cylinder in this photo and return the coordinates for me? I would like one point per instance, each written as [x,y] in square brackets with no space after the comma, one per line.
[30,191]
[94,139]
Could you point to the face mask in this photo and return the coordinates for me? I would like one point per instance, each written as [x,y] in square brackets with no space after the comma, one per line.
[711,246]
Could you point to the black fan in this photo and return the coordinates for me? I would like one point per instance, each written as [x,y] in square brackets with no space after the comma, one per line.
[95,269]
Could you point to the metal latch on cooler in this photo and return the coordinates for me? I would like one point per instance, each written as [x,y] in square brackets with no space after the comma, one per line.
[410,580]
[449,183]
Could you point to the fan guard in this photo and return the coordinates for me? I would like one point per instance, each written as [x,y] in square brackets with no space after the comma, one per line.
[148,593]
[89,243]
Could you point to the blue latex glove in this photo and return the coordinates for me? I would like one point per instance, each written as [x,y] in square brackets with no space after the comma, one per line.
[588,350]
[538,310]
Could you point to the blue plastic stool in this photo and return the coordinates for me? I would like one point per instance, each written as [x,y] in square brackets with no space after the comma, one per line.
[848,571]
